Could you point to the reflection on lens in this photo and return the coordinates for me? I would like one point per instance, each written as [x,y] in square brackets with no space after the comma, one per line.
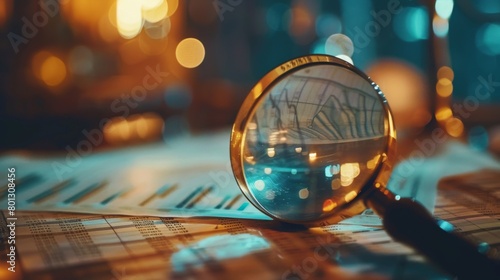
[313,141]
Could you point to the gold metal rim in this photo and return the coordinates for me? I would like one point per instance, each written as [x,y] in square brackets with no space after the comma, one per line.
[248,108]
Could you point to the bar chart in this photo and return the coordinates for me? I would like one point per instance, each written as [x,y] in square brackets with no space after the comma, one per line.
[181,181]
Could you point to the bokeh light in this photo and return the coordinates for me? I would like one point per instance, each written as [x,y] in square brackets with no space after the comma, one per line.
[151,4]
[406,90]
[445,72]
[350,196]
[345,58]
[318,47]
[312,156]
[259,185]
[52,71]
[444,8]
[81,60]
[443,113]
[155,13]
[327,24]
[339,44]
[329,205]
[411,24]
[372,163]
[440,26]
[488,39]
[348,172]
[132,16]
[444,87]
[190,52]
[139,127]
[454,127]
[303,193]
[172,7]
[129,20]
[301,23]
[116,130]
[157,30]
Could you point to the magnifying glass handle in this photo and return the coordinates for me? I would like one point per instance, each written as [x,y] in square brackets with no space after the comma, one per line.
[409,222]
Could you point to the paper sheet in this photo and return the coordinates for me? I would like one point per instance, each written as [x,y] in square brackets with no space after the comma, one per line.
[158,181]
[121,247]
[418,177]
[190,177]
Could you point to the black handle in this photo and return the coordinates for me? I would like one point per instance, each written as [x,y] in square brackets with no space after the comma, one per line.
[410,223]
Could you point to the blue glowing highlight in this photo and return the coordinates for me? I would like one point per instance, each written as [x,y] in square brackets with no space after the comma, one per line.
[328,24]
[412,24]
[319,46]
[488,39]
[444,8]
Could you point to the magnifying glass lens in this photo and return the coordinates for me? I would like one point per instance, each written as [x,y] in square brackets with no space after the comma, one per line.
[311,141]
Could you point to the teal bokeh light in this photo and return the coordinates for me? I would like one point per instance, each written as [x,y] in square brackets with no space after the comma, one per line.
[412,24]
[488,39]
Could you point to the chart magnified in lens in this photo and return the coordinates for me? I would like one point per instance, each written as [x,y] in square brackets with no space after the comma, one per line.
[312,141]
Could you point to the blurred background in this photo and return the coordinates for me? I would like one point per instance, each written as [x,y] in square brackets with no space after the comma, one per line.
[125,72]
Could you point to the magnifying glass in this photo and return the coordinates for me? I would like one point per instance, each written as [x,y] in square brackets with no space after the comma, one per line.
[314,143]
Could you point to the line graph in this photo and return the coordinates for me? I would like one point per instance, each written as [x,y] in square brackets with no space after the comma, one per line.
[312,104]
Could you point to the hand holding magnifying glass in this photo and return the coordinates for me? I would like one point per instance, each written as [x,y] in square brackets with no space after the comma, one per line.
[314,143]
